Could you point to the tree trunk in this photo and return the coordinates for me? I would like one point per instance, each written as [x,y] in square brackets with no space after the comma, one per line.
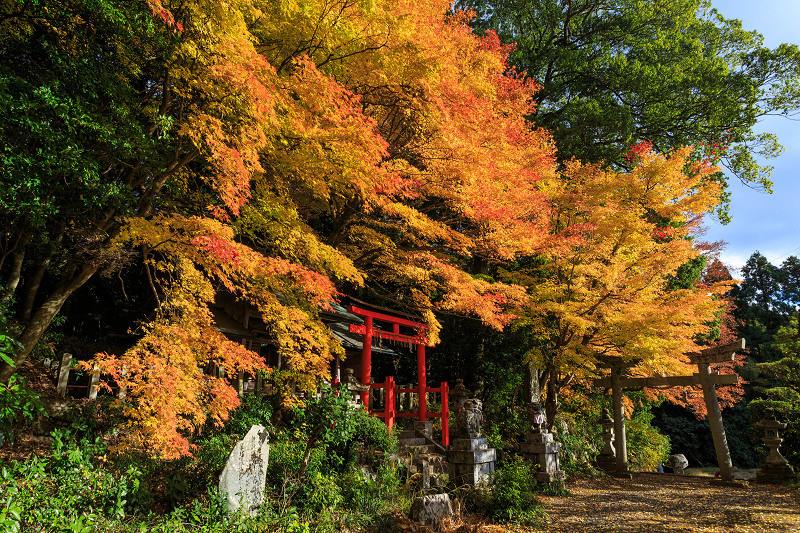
[33,289]
[13,278]
[551,403]
[37,325]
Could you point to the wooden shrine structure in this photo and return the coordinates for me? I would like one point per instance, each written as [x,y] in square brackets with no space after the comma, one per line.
[707,379]
[418,338]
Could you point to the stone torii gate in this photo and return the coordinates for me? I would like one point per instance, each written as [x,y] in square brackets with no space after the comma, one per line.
[707,379]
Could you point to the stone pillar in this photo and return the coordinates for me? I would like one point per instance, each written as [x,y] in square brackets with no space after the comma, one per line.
[619,421]
[607,460]
[776,469]
[63,374]
[470,460]
[240,383]
[540,448]
[94,382]
[355,388]
[123,390]
[715,421]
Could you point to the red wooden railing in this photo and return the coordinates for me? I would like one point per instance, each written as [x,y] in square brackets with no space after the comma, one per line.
[390,413]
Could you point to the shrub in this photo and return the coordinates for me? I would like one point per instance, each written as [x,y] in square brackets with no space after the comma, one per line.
[513,494]
[18,404]
[646,446]
[69,489]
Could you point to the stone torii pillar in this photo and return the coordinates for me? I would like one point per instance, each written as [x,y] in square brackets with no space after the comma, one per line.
[616,383]
[703,361]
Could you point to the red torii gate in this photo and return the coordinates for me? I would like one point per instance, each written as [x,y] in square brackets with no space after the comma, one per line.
[420,340]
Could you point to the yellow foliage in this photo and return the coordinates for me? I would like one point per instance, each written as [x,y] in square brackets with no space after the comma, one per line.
[609,294]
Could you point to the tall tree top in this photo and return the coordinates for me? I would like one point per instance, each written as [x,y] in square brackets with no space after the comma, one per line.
[672,72]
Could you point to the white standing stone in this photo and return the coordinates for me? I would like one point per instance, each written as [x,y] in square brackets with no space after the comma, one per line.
[245,473]
[430,510]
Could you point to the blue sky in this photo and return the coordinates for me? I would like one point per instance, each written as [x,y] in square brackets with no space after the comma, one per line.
[769,223]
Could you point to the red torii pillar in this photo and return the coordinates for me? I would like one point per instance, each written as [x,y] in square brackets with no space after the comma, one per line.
[366,359]
[422,386]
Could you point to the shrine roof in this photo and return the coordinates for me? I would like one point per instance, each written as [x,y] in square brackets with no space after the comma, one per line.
[352,341]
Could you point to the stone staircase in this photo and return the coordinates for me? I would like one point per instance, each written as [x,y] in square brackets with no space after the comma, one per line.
[422,455]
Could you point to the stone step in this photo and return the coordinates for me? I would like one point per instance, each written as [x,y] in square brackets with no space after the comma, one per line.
[407,434]
[412,441]
[416,450]
[437,464]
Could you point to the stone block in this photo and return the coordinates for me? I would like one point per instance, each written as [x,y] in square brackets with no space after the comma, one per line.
[550,477]
[470,474]
[539,438]
[472,456]
[431,510]
[481,443]
[777,473]
[540,447]
[607,463]
[423,428]
[245,473]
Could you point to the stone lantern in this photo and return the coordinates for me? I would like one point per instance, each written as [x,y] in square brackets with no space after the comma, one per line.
[353,386]
[458,396]
[540,447]
[776,469]
[607,460]
[470,459]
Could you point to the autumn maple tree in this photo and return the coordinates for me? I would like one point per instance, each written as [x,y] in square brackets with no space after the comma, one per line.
[264,150]
[608,293]
[724,330]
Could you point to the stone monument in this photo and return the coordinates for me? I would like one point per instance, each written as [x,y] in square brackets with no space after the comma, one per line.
[245,473]
[540,448]
[677,463]
[354,387]
[470,459]
[430,510]
[776,469]
[607,459]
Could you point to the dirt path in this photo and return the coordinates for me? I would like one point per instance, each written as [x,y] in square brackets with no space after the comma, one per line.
[660,503]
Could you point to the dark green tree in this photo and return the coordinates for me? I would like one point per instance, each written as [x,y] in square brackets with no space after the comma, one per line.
[781,388]
[81,147]
[670,72]
[760,306]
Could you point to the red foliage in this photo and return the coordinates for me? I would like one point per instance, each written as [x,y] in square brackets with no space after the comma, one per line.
[692,397]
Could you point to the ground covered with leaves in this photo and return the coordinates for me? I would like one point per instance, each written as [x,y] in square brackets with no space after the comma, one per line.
[653,503]
[656,503]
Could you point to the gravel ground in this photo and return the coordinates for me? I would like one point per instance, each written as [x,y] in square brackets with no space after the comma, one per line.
[664,503]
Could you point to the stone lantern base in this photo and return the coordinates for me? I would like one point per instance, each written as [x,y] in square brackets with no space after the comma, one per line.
[775,473]
[607,463]
[470,461]
[542,450]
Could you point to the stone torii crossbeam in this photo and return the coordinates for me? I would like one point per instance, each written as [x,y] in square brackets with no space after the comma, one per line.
[707,379]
